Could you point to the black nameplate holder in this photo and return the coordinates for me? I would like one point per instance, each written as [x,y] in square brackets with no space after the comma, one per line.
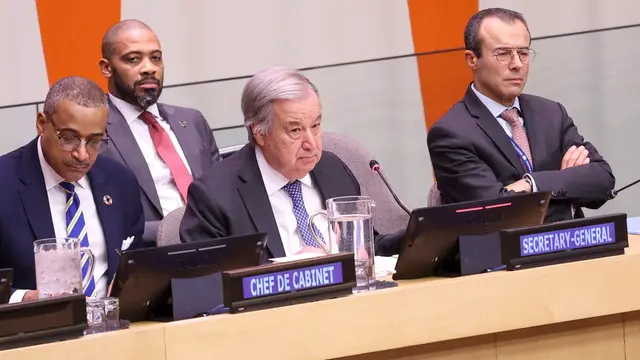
[473,254]
[42,321]
[565,241]
[191,297]
[289,283]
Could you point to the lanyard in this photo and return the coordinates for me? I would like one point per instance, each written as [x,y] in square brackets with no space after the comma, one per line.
[522,156]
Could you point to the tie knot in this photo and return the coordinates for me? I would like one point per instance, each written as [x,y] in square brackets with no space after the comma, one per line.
[511,116]
[148,118]
[68,187]
[294,189]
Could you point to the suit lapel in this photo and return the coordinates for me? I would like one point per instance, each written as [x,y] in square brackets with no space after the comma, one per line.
[254,196]
[33,193]
[181,130]
[322,180]
[108,214]
[124,141]
[492,128]
[535,131]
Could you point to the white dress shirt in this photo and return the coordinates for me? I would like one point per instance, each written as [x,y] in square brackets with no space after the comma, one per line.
[495,108]
[57,200]
[282,205]
[170,198]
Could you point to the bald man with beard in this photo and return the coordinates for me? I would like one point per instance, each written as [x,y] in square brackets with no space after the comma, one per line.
[165,146]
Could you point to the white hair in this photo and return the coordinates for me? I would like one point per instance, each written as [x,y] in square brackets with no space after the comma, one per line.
[265,87]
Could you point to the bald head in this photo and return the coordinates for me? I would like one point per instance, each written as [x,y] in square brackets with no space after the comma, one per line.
[111,37]
[132,63]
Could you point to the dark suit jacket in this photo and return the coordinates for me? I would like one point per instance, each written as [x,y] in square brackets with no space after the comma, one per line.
[474,159]
[25,215]
[231,200]
[195,138]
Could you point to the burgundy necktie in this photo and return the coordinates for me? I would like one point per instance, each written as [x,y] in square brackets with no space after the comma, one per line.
[517,131]
[168,153]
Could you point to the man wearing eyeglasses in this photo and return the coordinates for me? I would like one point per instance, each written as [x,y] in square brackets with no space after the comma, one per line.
[498,141]
[58,186]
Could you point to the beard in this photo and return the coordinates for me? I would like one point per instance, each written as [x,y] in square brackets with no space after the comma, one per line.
[129,94]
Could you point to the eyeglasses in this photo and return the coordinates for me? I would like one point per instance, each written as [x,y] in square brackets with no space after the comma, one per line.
[506,56]
[72,142]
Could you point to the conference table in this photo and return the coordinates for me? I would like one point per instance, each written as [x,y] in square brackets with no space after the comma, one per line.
[580,310]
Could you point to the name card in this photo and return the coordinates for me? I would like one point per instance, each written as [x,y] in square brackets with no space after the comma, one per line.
[292,280]
[567,239]
[564,241]
[288,283]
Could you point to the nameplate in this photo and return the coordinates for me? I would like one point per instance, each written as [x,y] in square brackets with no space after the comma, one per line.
[289,282]
[292,280]
[567,239]
[564,241]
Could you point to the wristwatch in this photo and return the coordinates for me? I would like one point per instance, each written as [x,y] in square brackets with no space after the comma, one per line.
[529,179]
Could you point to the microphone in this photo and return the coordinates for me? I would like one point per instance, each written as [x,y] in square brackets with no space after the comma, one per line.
[613,193]
[375,166]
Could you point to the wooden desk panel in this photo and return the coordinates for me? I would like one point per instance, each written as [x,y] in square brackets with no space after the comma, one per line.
[140,342]
[435,310]
[583,310]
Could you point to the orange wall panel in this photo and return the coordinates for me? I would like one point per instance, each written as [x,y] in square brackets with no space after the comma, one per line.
[72,32]
[439,25]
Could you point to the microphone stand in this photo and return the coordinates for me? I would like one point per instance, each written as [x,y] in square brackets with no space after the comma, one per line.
[614,193]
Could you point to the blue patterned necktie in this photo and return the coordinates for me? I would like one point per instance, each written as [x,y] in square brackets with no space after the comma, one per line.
[294,189]
[76,229]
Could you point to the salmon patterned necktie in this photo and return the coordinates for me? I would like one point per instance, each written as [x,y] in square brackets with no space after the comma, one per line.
[517,131]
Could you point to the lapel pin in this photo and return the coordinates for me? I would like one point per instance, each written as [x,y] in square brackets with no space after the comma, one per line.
[107,200]
[183,123]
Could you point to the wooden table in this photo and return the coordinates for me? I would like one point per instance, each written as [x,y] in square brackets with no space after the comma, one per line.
[583,310]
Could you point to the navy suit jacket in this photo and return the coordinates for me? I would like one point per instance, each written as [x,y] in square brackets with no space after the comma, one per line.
[25,215]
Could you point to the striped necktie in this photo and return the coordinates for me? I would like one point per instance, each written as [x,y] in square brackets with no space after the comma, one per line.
[76,228]
[294,189]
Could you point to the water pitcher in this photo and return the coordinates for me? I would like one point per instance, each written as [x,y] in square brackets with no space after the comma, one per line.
[351,230]
[59,266]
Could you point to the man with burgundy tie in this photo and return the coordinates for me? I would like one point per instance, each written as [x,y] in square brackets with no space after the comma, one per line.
[60,186]
[165,146]
[275,182]
[498,141]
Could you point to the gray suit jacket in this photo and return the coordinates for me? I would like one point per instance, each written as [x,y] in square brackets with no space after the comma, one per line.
[195,138]
[231,200]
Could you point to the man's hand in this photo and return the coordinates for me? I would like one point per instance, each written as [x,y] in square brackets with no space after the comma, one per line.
[575,156]
[520,186]
[31,295]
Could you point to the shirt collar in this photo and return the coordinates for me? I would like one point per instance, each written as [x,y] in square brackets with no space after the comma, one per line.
[494,107]
[273,180]
[130,112]
[51,178]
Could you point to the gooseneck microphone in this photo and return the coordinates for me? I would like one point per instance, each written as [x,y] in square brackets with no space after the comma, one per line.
[613,193]
[375,166]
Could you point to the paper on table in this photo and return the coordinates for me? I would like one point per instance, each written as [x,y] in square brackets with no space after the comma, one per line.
[384,265]
[633,225]
[296,257]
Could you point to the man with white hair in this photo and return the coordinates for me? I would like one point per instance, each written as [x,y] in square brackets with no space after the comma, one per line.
[275,182]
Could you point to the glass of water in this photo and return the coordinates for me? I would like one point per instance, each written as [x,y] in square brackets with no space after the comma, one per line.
[351,230]
[96,316]
[112,313]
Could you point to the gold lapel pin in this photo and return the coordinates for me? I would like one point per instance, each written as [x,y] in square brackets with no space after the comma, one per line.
[107,200]
[183,123]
